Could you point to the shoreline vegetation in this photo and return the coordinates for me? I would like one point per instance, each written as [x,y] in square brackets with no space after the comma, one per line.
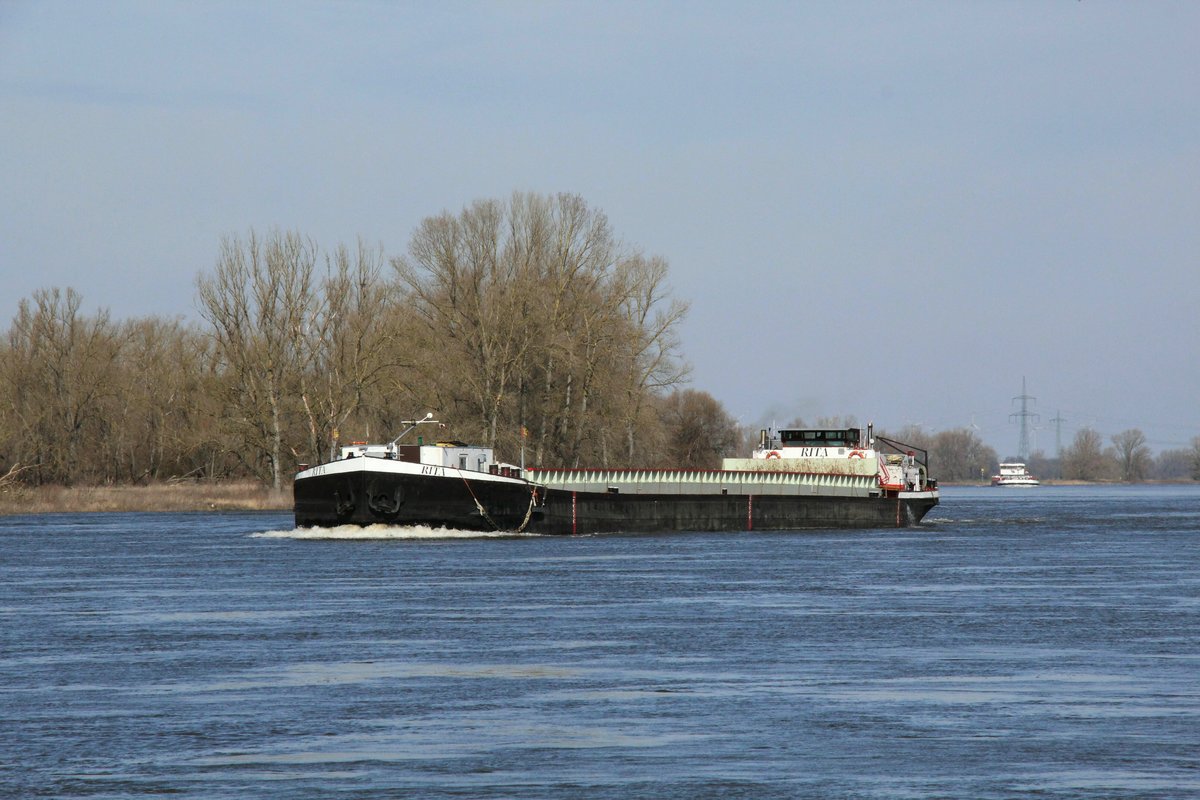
[300,348]
[222,496]
[172,497]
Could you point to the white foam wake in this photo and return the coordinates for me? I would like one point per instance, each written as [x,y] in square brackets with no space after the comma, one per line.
[351,532]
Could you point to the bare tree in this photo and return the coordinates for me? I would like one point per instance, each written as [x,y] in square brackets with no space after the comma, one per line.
[1084,458]
[959,454]
[1043,467]
[261,301]
[1132,454]
[59,370]
[699,432]
[534,319]
[353,345]
[654,361]
[459,287]
[1169,465]
[162,427]
[575,258]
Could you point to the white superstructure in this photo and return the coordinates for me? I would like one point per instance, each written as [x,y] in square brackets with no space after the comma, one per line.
[1014,473]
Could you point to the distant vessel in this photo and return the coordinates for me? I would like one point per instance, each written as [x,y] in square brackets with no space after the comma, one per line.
[1014,474]
[800,479]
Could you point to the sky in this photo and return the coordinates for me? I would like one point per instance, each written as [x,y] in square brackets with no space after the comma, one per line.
[895,212]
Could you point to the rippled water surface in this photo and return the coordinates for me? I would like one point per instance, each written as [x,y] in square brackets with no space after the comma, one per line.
[1022,643]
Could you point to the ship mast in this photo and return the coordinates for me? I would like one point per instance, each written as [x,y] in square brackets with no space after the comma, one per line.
[412,424]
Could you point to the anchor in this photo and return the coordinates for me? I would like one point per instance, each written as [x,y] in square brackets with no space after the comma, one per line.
[383,504]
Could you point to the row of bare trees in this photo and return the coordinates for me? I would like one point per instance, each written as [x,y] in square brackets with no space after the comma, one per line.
[1126,458]
[522,323]
[298,348]
[959,455]
[86,399]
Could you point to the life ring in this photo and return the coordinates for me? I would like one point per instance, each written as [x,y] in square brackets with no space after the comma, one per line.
[855,454]
[773,454]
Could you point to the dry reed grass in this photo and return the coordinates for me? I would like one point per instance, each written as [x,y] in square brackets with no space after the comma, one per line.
[198,496]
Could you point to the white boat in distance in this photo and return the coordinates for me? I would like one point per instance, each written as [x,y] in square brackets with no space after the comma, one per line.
[1014,474]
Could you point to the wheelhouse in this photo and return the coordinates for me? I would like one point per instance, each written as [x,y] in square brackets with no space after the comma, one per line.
[844,437]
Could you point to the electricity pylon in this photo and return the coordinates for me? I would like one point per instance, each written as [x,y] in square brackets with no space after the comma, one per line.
[1058,421]
[1023,416]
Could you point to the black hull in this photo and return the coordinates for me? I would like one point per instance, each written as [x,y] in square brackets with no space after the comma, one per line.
[368,498]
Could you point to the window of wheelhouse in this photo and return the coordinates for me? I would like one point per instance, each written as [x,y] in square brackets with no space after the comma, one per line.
[847,437]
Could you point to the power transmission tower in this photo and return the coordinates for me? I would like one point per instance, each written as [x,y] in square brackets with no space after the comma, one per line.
[1058,421]
[1023,416]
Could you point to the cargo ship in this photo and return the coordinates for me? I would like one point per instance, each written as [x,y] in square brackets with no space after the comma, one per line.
[795,479]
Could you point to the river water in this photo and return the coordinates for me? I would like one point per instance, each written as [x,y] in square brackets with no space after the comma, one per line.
[1021,643]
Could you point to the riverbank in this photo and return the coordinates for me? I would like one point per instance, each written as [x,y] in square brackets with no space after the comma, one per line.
[192,496]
